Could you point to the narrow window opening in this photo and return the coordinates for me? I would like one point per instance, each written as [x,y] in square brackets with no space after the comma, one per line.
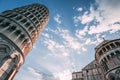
[17,32]
[117,43]
[117,52]
[23,21]
[31,28]
[112,54]
[1,20]
[108,57]
[18,17]
[100,52]
[22,37]
[108,47]
[12,28]
[112,45]
[27,13]
[104,49]
[31,16]
[34,19]
[13,15]
[27,24]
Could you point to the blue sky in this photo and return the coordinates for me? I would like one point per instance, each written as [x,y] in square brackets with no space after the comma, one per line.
[68,41]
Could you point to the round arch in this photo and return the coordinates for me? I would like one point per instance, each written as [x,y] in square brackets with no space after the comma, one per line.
[111,76]
[117,73]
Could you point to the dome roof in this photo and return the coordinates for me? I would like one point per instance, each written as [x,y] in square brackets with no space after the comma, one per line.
[105,42]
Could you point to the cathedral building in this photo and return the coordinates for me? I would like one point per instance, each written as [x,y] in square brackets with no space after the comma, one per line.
[106,65]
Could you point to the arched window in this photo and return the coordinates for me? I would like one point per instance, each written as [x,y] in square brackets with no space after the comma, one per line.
[29,8]
[17,32]
[30,29]
[15,59]
[105,64]
[111,76]
[18,17]
[108,57]
[1,20]
[113,59]
[27,24]
[4,51]
[117,74]
[33,33]
[31,16]
[118,54]
[117,43]
[102,65]
[12,28]
[112,55]
[112,45]
[109,61]
[104,49]
[13,15]
[38,15]
[23,21]
[24,44]
[36,22]
[22,12]
[26,14]
[108,47]
[33,10]
[34,19]
[25,41]
[22,37]
[38,26]
[5,24]
[100,52]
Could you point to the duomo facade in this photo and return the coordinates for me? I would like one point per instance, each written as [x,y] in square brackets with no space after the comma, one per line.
[106,65]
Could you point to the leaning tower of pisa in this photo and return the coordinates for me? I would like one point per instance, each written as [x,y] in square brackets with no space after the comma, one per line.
[19,29]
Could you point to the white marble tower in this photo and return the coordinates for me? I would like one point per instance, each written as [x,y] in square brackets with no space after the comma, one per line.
[19,29]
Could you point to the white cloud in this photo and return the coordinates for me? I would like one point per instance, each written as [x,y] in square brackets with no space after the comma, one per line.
[84,49]
[79,9]
[56,48]
[77,20]
[39,75]
[60,67]
[65,54]
[60,50]
[34,46]
[98,38]
[46,35]
[70,41]
[109,15]
[88,41]
[105,26]
[106,15]
[64,75]
[81,33]
[57,19]
[33,71]
[85,18]
[115,28]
